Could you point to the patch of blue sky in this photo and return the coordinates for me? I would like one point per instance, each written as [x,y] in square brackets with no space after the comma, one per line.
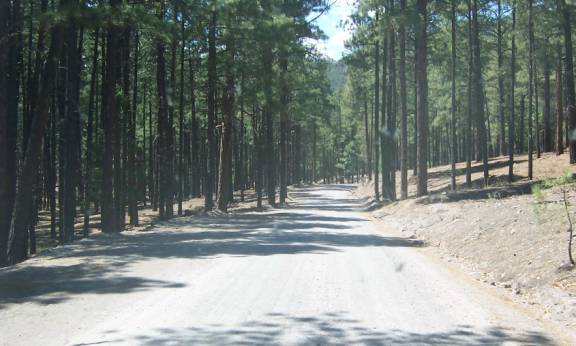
[330,22]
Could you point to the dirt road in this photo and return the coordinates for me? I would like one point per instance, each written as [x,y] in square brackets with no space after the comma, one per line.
[316,273]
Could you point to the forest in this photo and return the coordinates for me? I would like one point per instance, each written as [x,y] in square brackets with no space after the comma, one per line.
[109,107]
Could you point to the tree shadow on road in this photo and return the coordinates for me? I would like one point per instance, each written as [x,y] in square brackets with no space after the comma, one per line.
[334,328]
[54,284]
[104,260]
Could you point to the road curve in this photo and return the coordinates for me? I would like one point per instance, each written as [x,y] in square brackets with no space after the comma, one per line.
[315,273]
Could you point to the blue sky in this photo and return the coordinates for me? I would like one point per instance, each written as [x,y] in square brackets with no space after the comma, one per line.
[330,23]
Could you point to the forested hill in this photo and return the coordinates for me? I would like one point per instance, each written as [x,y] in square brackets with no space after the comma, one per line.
[336,74]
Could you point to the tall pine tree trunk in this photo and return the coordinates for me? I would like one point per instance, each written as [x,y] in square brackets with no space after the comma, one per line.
[211,125]
[403,110]
[569,79]
[501,127]
[109,124]
[89,136]
[453,94]
[422,98]
[559,108]
[5,181]
[511,131]
[547,133]
[226,127]
[479,94]
[531,83]
[195,178]
[376,140]
[163,150]
[16,244]
[270,164]
[284,94]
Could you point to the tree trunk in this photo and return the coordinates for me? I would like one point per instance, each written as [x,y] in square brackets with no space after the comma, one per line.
[376,139]
[547,133]
[569,80]
[16,246]
[182,176]
[479,94]
[531,83]
[225,166]
[109,123]
[284,94]
[392,108]
[403,110]
[5,174]
[195,178]
[453,93]
[422,98]
[559,108]
[501,129]
[211,125]
[164,132]
[270,164]
[132,145]
[89,136]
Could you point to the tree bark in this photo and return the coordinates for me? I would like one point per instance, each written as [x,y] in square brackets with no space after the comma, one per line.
[109,123]
[453,92]
[559,108]
[531,82]
[547,133]
[211,125]
[501,126]
[422,98]
[284,95]
[569,79]
[403,109]
[479,94]
[5,174]
[16,247]
[376,139]
[225,166]
[270,164]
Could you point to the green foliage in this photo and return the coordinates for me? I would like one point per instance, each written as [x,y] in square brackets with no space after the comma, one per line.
[567,181]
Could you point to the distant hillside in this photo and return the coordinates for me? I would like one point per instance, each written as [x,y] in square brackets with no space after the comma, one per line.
[336,74]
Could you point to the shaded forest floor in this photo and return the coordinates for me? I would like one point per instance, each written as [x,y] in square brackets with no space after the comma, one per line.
[510,236]
[147,218]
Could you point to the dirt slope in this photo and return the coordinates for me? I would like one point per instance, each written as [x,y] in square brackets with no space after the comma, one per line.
[504,236]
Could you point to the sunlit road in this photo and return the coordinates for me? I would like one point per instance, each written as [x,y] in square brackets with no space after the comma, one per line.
[315,273]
